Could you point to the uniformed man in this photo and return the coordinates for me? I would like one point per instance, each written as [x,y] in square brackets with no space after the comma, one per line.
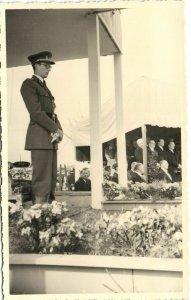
[44,130]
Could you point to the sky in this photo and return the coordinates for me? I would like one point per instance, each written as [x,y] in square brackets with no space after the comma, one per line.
[153,47]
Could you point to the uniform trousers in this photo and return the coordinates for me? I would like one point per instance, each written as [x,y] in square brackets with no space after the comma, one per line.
[44,175]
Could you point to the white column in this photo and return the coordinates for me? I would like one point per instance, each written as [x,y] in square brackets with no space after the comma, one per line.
[121,144]
[95,110]
[144,137]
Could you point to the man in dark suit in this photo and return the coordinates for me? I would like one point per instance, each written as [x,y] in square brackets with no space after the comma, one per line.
[160,150]
[172,158]
[137,175]
[139,151]
[83,183]
[163,174]
[152,161]
[44,130]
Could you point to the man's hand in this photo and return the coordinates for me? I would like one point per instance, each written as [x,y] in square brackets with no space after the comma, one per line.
[60,132]
[57,136]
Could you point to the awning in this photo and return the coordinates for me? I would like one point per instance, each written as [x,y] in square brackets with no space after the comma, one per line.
[62,31]
[146,101]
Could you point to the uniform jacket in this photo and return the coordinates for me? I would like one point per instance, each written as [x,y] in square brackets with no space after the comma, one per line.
[40,105]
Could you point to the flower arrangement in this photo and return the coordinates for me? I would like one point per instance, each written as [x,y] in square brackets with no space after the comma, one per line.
[171,190]
[47,228]
[110,189]
[141,232]
[154,191]
[141,189]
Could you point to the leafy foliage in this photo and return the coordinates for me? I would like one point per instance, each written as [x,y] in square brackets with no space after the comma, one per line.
[110,189]
[141,232]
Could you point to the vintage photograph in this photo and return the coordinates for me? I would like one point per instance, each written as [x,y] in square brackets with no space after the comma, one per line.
[96,125]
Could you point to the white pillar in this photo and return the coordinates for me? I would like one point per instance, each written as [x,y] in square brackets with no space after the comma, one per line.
[121,144]
[95,110]
[144,138]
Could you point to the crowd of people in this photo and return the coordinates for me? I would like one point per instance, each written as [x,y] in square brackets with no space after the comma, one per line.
[160,155]
[163,162]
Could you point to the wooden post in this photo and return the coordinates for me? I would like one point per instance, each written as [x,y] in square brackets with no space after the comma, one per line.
[121,144]
[60,178]
[95,110]
[144,137]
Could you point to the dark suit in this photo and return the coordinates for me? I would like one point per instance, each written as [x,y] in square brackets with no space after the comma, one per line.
[161,153]
[135,177]
[162,175]
[152,160]
[83,185]
[173,162]
[40,105]
[139,155]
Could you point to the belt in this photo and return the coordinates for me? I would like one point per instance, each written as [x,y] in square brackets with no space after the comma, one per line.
[52,116]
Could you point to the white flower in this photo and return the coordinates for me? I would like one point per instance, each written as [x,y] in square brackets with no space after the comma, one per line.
[179,246]
[26,231]
[55,241]
[79,235]
[36,206]
[72,227]
[106,218]
[14,207]
[35,213]
[56,210]
[45,205]
[177,236]
[44,235]
[65,220]
[26,215]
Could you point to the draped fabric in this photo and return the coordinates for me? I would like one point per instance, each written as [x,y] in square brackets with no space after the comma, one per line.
[146,101]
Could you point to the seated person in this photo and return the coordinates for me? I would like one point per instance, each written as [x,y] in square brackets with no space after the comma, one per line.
[130,172]
[137,174]
[163,174]
[83,183]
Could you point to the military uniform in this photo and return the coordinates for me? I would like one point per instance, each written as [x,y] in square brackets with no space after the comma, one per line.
[40,105]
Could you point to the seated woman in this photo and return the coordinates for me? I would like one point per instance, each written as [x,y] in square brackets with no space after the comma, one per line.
[83,183]
[163,174]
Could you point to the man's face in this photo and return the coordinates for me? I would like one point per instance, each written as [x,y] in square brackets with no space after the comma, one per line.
[161,143]
[152,144]
[141,169]
[171,145]
[164,165]
[85,174]
[42,69]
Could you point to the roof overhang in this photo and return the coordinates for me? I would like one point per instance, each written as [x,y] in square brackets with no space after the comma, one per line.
[61,31]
